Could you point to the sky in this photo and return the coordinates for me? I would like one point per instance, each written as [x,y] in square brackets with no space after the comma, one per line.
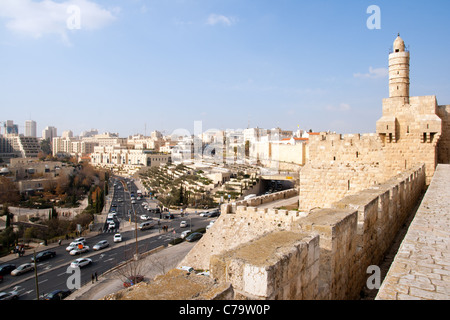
[134,66]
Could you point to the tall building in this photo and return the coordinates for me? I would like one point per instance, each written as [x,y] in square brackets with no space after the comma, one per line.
[10,128]
[49,133]
[30,128]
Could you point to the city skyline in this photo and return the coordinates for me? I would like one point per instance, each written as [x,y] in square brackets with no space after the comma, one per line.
[140,66]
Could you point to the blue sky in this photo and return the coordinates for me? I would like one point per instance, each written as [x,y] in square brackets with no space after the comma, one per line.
[136,65]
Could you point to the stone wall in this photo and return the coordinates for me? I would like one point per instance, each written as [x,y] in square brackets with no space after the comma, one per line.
[240,223]
[444,141]
[277,266]
[421,266]
[258,250]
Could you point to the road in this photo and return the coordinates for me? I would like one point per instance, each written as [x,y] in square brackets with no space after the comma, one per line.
[52,273]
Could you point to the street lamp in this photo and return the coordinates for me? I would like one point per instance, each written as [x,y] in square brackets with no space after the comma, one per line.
[35,272]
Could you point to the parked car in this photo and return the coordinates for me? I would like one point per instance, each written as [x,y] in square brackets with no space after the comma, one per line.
[57,295]
[7,268]
[183,224]
[194,237]
[186,268]
[12,295]
[132,280]
[79,250]
[23,268]
[81,262]
[185,233]
[117,237]
[44,255]
[210,224]
[101,245]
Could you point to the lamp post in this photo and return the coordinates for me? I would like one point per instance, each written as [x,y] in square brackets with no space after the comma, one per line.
[35,273]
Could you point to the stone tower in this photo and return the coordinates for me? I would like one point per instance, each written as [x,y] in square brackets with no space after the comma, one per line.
[410,127]
[399,71]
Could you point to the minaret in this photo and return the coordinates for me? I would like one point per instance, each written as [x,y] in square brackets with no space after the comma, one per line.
[399,71]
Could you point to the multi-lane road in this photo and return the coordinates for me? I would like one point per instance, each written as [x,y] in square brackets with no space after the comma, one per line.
[53,273]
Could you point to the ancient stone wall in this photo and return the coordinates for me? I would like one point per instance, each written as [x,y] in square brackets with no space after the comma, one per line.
[277,266]
[339,165]
[444,141]
[421,269]
[354,233]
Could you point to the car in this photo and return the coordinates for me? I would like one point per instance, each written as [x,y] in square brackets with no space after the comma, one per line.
[169,216]
[112,225]
[117,237]
[146,225]
[74,245]
[6,268]
[210,224]
[132,280]
[185,233]
[133,201]
[183,224]
[57,295]
[23,268]
[79,239]
[12,295]
[44,255]
[145,217]
[186,268]
[111,216]
[79,250]
[101,245]
[81,262]
[194,237]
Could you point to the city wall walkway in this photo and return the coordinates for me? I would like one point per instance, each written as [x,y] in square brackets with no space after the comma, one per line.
[421,268]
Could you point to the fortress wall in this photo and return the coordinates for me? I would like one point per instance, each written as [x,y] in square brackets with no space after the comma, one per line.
[444,142]
[280,265]
[280,254]
[420,269]
[235,226]
[380,212]
[323,184]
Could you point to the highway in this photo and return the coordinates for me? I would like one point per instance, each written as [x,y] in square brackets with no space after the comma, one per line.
[53,273]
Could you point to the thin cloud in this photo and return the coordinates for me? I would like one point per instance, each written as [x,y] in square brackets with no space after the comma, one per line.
[343,107]
[373,73]
[48,17]
[215,19]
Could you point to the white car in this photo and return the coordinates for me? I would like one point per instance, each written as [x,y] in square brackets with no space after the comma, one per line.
[183,224]
[74,245]
[101,245]
[117,237]
[79,250]
[23,268]
[145,217]
[81,262]
[210,224]
[185,233]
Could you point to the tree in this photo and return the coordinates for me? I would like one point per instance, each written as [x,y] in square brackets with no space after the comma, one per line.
[46,147]
[9,194]
[8,214]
